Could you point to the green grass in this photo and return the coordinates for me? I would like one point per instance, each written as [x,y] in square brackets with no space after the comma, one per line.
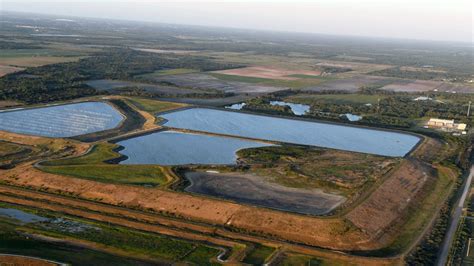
[153,106]
[259,255]
[166,72]
[201,256]
[9,148]
[296,259]
[12,242]
[11,53]
[303,76]
[240,78]
[91,166]
[337,98]
[121,239]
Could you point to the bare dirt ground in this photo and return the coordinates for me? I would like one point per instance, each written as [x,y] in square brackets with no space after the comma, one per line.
[268,72]
[417,85]
[4,69]
[357,67]
[164,225]
[6,104]
[329,233]
[388,202]
[251,189]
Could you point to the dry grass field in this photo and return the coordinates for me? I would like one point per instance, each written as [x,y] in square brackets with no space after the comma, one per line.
[268,72]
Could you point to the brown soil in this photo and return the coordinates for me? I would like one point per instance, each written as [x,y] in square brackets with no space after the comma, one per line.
[11,260]
[5,104]
[329,233]
[8,69]
[387,204]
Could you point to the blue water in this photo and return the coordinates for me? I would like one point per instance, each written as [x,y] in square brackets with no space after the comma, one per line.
[293,131]
[296,108]
[62,120]
[352,117]
[236,106]
[21,216]
[175,148]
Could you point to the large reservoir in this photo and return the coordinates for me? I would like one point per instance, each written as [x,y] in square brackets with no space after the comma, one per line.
[349,138]
[175,148]
[62,120]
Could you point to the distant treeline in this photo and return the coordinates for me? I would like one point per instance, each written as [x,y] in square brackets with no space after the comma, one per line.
[67,80]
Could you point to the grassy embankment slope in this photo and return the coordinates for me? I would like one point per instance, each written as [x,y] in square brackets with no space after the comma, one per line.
[92,166]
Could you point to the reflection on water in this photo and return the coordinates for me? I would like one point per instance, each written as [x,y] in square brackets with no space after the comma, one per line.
[175,148]
[296,108]
[293,131]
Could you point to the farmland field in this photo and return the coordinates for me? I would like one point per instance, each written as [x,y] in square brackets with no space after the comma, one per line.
[268,73]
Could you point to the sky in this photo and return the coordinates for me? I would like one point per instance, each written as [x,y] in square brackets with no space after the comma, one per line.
[445,20]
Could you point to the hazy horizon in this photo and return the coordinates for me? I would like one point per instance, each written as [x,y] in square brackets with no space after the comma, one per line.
[418,20]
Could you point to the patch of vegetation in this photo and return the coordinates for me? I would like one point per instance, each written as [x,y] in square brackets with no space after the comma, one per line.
[420,215]
[353,98]
[297,259]
[166,72]
[201,256]
[154,106]
[237,78]
[304,167]
[304,76]
[263,105]
[14,242]
[112,237]
[422,74]
[258,255]
[386,110]
[92,166]
[67,80]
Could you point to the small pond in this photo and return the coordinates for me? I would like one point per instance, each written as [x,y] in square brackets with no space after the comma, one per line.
[21,216]
[296,108]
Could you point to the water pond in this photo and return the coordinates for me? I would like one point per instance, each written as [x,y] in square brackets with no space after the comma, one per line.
[296,108]
[176,148]
[21,216]
[352,117]
[341,137]
[61,120]
[236,106]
